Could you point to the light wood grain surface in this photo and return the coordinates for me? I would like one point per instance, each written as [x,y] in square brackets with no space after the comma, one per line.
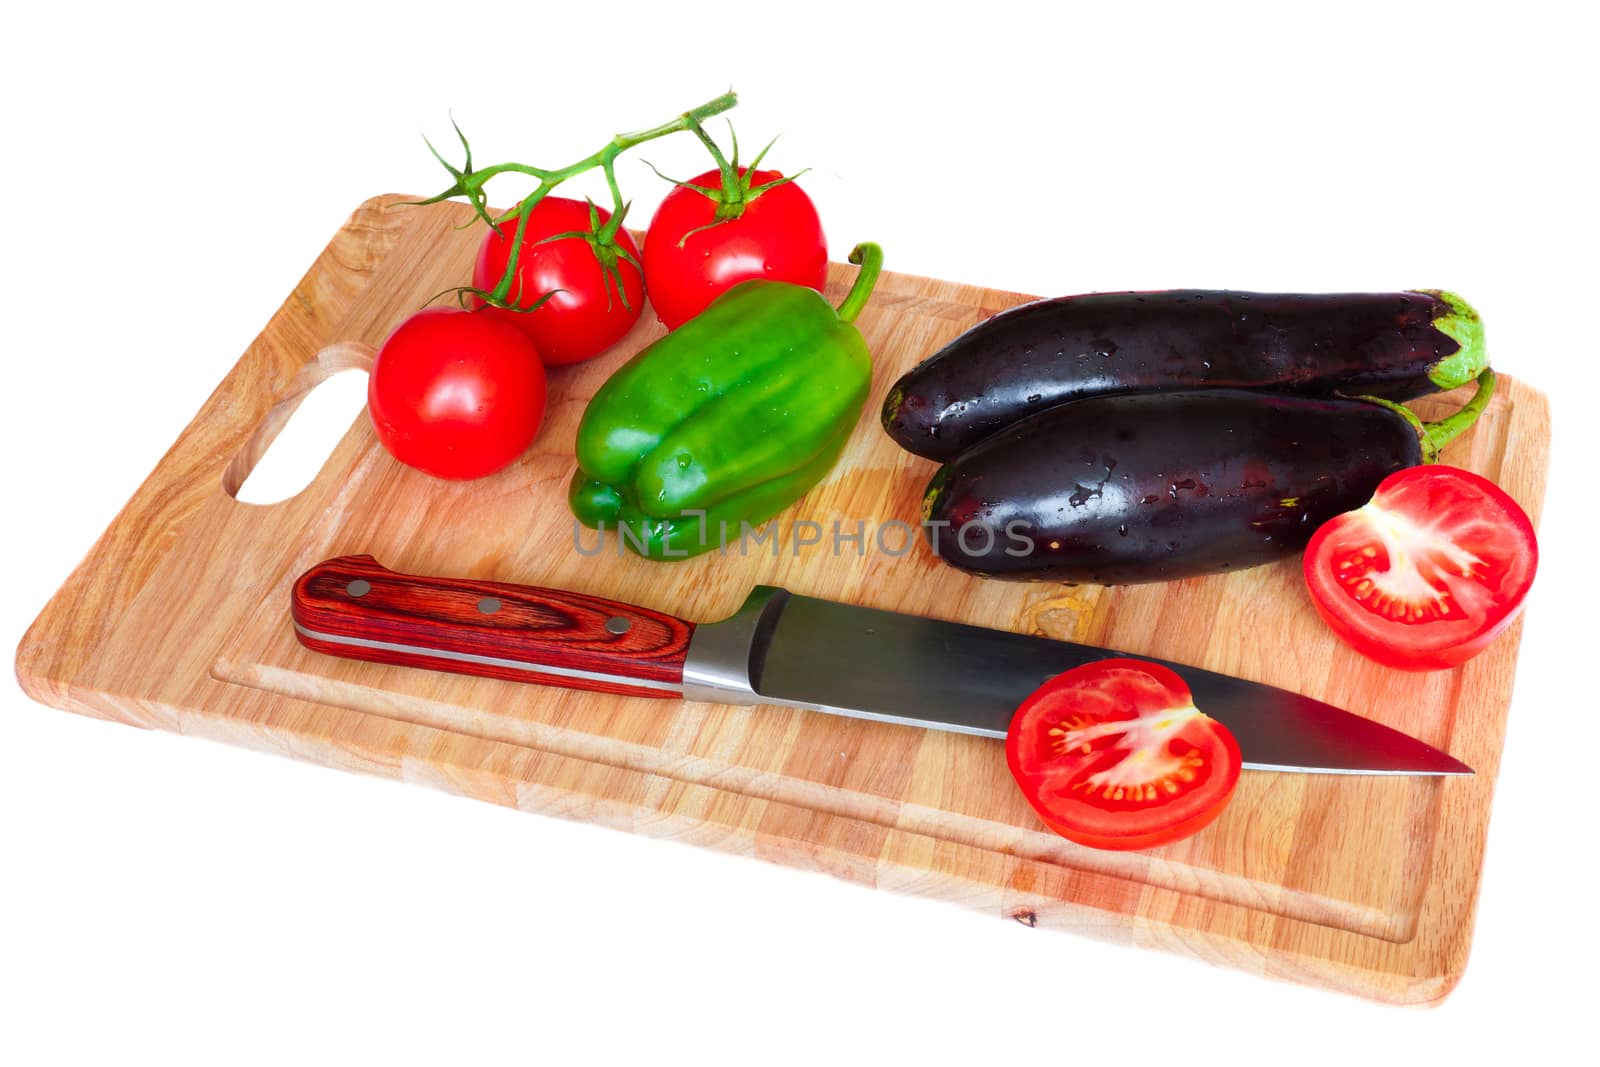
[178,620]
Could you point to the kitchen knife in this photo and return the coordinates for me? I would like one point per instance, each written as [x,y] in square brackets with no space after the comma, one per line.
[780,648]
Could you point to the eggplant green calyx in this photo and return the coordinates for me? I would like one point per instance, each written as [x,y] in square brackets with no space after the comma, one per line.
[1461,323]
[1433,436]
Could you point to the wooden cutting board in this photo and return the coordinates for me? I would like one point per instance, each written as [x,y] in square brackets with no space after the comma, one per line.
[178,620]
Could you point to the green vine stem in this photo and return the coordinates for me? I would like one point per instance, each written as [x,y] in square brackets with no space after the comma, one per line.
[1435,435]
[470,183]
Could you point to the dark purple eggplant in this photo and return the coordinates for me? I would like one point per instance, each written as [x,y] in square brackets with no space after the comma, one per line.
[1141,487]
[1028,358]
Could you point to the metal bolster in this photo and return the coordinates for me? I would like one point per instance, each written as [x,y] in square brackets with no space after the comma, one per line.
[724,661]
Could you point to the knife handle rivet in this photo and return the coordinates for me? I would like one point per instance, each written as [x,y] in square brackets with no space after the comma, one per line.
[489,605]
[359,587]
[617,624]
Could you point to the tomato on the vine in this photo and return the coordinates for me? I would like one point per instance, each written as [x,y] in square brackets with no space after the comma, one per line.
[1115,755]
[456,393]
[691,256]
[1426,574]
[590,304]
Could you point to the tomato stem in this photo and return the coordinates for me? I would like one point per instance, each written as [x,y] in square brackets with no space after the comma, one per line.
[735,193]
[732,198]
[607,234]
[470,183]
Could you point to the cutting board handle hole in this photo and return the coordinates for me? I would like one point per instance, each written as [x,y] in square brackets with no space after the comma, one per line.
[295,438]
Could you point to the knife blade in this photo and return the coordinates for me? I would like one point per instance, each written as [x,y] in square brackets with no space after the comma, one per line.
[780,648]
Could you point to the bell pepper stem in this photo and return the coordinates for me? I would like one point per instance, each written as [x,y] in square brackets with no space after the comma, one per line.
[870,258]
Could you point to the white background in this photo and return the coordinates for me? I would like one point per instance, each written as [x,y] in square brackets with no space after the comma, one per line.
[169,175]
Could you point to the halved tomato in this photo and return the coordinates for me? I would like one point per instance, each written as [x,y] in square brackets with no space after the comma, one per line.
[1115,755]
[1426,574]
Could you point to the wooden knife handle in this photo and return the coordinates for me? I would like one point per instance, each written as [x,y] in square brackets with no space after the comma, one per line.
[355,607]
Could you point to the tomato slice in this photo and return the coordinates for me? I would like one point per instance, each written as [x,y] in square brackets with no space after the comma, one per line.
[1115,755]
[1426,574]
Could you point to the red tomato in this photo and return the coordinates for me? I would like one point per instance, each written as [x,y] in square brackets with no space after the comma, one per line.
[688,262]
[456,393]
[1427,574]
[587,314]
[1115,755]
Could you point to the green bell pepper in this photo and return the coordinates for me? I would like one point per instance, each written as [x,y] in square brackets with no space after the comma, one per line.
[735,414]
